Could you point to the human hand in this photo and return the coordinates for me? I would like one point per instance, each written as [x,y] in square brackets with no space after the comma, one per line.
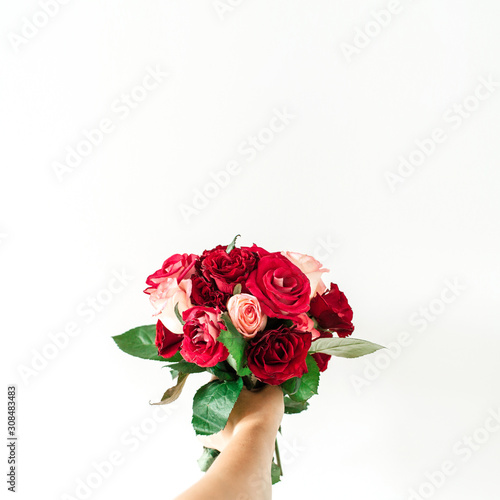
[257,411]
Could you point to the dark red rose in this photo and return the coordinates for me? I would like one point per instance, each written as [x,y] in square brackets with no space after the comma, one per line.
[282,288]
[205,293]
[278,355]
[332,311]
[226,269]
[320,358]
[200,343]
[178,266]
[258,251]
[168,343]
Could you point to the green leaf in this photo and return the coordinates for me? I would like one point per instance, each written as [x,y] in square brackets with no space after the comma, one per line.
[232,244]
[140,342]
[344,348]
[275,473]
[178,314]
[185,367]
[242,371]
[207,458]
[237,289]
[291,386]
[251,382]
[174,392]
[292,406]
[308,382]
[223,371]
[236,345]
[212,405]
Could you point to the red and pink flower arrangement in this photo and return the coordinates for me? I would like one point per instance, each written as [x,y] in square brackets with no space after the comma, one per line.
[249,317]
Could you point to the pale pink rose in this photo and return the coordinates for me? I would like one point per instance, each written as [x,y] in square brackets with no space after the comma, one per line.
[246,314]
[166,296]
[311,268]
[305,323]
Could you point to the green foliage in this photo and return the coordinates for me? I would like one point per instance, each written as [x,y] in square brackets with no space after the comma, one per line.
[174,392]
[223,371]
[309,382]
[236,345]
[207,458]
[344,348]
[178,314]
[291,386]
[275,473]
[232,244]
[292,406]
[185,367]
[303,388]
[140,342]
[212,405]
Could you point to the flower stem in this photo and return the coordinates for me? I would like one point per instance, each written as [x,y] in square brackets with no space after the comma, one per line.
[278,458]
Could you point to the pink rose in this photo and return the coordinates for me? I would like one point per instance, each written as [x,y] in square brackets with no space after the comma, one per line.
[166,296]
[178,266]
[246,314]
[200,344]
[311,268]
[304,323]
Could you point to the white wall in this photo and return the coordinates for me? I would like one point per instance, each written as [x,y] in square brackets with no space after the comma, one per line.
[323,178]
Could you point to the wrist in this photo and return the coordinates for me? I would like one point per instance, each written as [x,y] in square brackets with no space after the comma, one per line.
[256,430]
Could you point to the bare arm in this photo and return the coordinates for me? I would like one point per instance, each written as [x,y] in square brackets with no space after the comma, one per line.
[243,469]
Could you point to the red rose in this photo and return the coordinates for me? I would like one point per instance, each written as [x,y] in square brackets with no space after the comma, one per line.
[258,251]
[332,311]
[282,288]
[205,293]
[278,355]
[168,343]
[178,266]
[200,343]
[320,358]
[226,269]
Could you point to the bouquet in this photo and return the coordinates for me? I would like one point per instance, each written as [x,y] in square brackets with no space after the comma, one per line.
[249,317]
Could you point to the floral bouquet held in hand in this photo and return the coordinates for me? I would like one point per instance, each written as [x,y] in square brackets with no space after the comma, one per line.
[249,317]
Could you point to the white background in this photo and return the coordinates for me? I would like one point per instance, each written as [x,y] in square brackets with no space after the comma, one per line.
[321,179]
